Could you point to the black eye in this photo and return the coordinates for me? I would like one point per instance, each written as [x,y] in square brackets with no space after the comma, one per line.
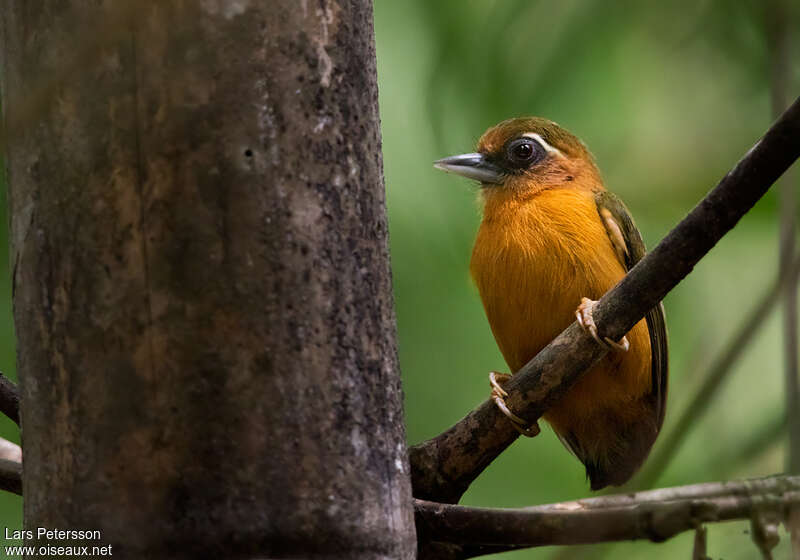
[524,152]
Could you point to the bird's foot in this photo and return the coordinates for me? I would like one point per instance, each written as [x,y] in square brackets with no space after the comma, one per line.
[497,380]
[585,320]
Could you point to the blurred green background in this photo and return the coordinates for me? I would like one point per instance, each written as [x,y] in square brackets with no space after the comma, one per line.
[668,96]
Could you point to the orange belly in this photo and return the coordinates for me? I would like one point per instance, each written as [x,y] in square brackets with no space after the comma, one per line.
[533,261]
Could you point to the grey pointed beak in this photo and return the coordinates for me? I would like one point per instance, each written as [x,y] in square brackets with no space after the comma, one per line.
[472,166]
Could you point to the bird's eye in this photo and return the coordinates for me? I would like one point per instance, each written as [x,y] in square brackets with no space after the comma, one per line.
[524,152]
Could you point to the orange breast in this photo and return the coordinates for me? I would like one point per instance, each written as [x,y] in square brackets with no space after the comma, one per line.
[533,260]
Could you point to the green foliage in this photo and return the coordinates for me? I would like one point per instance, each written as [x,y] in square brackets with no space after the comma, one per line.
[668,96]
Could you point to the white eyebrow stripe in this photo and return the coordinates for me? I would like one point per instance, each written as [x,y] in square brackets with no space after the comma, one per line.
[544,144]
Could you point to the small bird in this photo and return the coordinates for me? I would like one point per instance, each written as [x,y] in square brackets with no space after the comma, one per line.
[552,241]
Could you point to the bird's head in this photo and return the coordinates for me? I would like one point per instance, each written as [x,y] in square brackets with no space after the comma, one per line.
[526,155]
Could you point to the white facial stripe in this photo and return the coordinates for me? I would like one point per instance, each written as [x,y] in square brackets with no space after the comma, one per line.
[544,144]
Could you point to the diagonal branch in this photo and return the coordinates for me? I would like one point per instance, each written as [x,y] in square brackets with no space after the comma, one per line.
[9,398]
[444,467]
[11,476]
[654,515]
[714,378]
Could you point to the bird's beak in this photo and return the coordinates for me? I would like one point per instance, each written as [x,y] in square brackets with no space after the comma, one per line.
[472,166]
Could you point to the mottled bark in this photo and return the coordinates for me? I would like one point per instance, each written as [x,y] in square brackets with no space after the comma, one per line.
[202,289]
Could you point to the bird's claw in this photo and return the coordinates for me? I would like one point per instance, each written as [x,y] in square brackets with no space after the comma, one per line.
[498,396]
[584,316]
[495,380]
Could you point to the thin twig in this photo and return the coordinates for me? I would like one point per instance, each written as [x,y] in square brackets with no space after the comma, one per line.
[720,369]
[9,398]
[764,529]
[780,27]
[11,476]
[759,441]
[792,523]
[444,467]
[700,548]
[779,36]
[739,488]
[656,516]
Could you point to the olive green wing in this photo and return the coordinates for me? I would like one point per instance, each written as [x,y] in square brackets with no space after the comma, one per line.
[628,243]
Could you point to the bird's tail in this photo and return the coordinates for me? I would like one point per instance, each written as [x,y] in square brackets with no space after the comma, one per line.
[612,449]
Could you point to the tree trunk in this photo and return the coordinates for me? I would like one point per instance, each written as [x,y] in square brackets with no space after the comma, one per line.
[202,289]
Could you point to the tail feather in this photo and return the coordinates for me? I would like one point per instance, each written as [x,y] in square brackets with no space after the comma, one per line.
[612,450]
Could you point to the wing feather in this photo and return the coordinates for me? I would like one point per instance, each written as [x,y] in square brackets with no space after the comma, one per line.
[621,229]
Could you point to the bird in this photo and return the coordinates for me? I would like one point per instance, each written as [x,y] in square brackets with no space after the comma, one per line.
[552,240]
